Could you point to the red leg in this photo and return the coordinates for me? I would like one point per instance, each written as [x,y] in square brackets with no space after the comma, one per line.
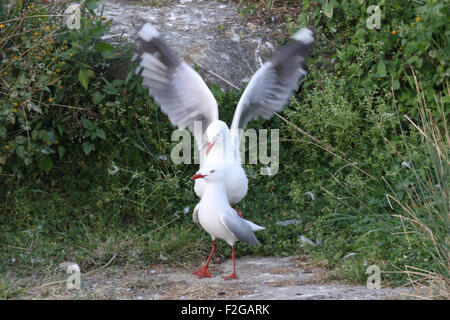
[233,275]
[239,212]
[204,272]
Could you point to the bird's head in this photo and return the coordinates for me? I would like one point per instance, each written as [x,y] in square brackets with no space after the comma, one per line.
[215,134]
[210,173]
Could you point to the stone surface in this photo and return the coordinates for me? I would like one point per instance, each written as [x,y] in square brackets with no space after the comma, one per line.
[207,34]
[264,278]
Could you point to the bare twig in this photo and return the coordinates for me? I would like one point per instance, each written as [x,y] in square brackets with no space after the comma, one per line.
[220,77]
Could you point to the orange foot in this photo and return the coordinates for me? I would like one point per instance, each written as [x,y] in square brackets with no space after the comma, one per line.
[202,273]
[231,276]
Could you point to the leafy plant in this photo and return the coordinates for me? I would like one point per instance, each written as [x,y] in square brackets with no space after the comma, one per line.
[49,73]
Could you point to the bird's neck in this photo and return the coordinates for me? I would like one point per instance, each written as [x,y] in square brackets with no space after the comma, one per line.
[223,152]
[216,191]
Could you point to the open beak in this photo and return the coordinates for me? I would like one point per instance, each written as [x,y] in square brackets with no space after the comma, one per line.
[209,146]
[198,176]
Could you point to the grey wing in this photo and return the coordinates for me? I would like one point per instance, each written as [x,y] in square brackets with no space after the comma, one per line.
[273,84]
[180,91]
[195,216]
[239,228]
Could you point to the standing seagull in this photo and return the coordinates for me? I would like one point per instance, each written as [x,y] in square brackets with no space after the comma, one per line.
[187,101]
[215,215]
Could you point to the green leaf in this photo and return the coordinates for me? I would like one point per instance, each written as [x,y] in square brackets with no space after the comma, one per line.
[396,84]
[43,135]
[117,83]
[97,97]
[87,124]
[60,129]
[46,164]
[101,134]
[61,152]
[2,132]
[20,139]
[88,148]
[20,151]
[92,5]
[111,90]
[103,47]
[84,76]
[328,7]
[381,69]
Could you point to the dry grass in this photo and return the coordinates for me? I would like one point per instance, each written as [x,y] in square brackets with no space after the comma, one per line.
[426,212]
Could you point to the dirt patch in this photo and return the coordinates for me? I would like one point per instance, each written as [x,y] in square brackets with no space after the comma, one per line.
[259,278]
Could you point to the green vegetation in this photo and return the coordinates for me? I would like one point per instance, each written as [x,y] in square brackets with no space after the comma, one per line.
[85,174]
[360,102]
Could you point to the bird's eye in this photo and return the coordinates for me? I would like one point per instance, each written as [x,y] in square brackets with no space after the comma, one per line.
[212,171]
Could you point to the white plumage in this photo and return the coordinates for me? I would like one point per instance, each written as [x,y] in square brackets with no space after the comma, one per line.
[214,214]
[184,97]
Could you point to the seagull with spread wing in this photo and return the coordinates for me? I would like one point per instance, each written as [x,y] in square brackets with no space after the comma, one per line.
[185,98]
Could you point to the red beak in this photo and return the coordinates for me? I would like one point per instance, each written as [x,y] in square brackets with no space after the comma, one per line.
[209,147]
[198,176]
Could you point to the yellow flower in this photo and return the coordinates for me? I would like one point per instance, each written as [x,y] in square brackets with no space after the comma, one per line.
[15,110]
[70,54]
[50,100]
[2,26]
[418,19]
[5,73]
[7,147]
[15,58]
[29,7]
[47,28]
[58,70]
[15,104]
[394,32]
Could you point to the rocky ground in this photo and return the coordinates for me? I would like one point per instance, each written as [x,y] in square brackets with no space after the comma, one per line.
[264,278]
[207,34]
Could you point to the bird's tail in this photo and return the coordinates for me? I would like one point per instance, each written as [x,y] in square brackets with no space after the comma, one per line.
[254,226]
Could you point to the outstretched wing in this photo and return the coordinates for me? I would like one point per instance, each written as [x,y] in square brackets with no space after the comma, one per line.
[239,228]
[273,84]
[180,91]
